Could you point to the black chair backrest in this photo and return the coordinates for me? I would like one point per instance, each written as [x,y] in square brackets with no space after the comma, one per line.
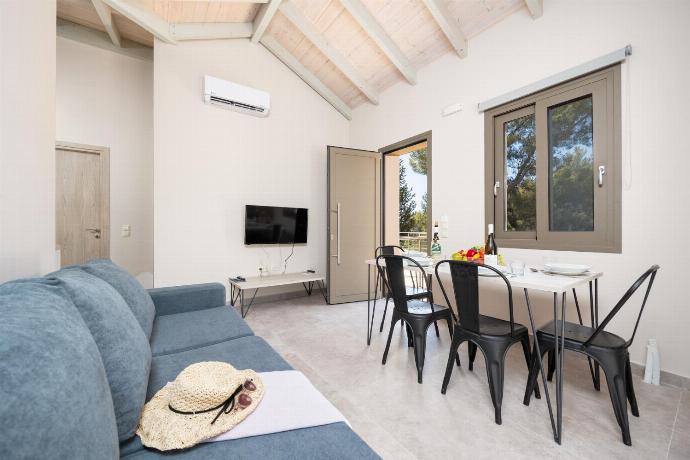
[651,274]
[465,278]
[387,250]
[394,270]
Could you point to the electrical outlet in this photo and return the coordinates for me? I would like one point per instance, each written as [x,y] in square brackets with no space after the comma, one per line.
[126,231]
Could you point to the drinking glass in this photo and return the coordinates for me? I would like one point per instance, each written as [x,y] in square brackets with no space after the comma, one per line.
[517,267]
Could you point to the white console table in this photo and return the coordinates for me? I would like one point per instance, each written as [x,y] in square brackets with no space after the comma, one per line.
[238,288]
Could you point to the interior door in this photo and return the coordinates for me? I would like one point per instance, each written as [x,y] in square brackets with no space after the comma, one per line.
[82,209]
[354,220]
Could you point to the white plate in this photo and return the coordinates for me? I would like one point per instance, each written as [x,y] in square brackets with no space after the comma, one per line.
[423,261]
[566,269]
[483,271]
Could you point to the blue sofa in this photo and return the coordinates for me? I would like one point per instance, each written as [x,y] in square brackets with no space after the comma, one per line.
[82,350]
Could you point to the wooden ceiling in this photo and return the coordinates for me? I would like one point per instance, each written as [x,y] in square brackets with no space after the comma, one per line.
[347,50]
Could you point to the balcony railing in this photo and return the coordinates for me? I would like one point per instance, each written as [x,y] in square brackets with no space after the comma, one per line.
[414,241]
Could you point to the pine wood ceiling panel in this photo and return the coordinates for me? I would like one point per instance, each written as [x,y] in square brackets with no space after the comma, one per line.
[299,46]
[345,35]
[475,16]
[203,11]
[82,12]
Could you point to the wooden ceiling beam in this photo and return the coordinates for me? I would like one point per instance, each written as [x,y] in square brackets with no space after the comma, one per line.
[211,30]
[381,38]
[138,13]
[106,16]
[339,61]
[535,7]
[309,78]
[263,19]
[448,25]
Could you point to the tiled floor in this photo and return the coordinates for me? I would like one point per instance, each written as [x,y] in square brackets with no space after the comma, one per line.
[403,420]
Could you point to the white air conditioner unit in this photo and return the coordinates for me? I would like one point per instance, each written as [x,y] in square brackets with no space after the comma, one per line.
[236,97]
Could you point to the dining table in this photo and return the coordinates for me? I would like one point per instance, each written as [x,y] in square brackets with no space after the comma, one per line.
[535,280]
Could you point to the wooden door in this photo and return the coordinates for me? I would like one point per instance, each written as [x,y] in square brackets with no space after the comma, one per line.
[354,220]
[82,191]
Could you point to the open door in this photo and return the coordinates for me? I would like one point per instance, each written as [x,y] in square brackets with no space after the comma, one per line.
[354,221]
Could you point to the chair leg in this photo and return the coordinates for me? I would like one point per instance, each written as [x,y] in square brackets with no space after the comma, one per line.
[419,351]
[495,371]
[472,353]
[455,344]
[552,365]
[534,371]
[615,379]
[630,390]
[394,320]
[385,309]
[525,349]
[449,321]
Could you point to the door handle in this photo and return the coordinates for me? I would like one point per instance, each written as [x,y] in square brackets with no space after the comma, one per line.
[337,217]
[496,185]
[337,233]
[602,171]
[96,232]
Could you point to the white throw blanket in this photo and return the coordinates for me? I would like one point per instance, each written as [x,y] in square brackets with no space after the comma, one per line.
[290,402]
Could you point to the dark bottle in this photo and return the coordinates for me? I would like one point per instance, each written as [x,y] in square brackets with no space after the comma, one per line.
[490,248]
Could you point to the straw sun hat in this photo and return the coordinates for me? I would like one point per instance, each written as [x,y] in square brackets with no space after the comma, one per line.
[205,400]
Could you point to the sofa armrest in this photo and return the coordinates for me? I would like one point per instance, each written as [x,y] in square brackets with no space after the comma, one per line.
[180,299]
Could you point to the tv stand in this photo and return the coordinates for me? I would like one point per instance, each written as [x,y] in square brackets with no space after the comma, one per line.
[238,288]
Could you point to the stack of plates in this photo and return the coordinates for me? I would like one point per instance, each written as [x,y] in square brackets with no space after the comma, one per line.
[423,261]
[566,269]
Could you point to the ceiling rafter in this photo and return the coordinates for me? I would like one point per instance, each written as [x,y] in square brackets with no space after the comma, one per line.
[381,38]
[211,30]
[448,25]
[338,60]
[535,7]
[309,78]
[106,16]
[138,13]
[263,19]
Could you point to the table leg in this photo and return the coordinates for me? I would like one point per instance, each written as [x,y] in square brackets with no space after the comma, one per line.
[596,322]
[560,349]
[539,360]
[322,288]
[249,305]
[579,318]
[594,319]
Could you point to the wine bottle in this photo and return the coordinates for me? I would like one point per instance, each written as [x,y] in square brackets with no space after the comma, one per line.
[490,248]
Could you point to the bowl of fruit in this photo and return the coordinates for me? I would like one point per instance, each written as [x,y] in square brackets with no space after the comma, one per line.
[474,254]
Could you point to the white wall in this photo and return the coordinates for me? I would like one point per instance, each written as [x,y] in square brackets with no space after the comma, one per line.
[106,99]
[519,51]
[27,138]
[210,162]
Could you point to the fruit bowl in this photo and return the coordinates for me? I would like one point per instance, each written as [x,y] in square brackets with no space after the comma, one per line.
[474,254]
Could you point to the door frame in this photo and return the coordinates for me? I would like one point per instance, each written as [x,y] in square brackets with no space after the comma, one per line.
[410,141]
[104,153]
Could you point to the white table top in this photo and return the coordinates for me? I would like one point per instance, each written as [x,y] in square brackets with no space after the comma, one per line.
[255,282]
[530,280]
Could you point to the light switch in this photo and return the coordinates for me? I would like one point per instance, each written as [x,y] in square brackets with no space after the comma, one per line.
[126,231]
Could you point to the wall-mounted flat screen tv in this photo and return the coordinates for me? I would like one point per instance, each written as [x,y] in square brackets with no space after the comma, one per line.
[275,225]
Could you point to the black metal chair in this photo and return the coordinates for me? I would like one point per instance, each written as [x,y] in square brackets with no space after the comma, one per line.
[417,314]
[606,348]
[413,292]
[492,336]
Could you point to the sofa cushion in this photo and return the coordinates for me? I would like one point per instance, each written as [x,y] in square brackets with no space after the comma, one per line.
[334,441]
[250,352]
[194,329]
[123,346]
[54,395]
[130,289]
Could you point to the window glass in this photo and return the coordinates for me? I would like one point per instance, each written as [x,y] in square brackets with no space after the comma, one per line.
[520,174]
[571,166]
